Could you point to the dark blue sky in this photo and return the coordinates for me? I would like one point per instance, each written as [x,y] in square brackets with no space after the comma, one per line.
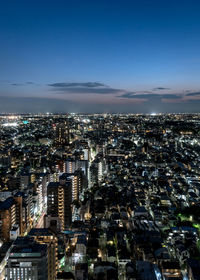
[97,55]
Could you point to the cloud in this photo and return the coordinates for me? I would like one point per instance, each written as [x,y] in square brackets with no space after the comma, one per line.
[133,95]
[89,90]
[30,83]
[128,95]
[160,88]
[169,96]
[83,88]
[193,93]
[70,85]
[17,84]
[22,84]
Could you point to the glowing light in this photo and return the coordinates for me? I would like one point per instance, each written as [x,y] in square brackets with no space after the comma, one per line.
[13,117]
[86,121]
[153,114]
[10,124]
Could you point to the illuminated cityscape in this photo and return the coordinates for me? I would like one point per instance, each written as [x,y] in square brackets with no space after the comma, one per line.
[100,196]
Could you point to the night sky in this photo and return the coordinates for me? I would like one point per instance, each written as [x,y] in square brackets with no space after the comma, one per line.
[100,56]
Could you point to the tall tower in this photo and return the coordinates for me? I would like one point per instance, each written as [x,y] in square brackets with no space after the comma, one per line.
[62,134]
[59,199]
[78,180]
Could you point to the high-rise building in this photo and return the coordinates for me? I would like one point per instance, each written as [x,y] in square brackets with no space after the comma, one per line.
[15,211]
[59,198]
[24,210]
[79,182]
[19,211]
[28,260]
[96,170]
[7,218]
[46,236]
[71,165]
[62,134]
[24,179]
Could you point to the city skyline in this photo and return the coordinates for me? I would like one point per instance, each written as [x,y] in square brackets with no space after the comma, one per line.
[100,196]
[100,56]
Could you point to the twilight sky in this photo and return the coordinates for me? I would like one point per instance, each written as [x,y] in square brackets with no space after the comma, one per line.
[100,56]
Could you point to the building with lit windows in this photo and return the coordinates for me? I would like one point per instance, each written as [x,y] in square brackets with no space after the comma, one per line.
[59,199]
[78,180]
[28,260]
[46,236]
[62,134]
[71,165]
[8,211]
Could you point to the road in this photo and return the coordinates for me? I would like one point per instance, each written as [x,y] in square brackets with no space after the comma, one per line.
[40,223]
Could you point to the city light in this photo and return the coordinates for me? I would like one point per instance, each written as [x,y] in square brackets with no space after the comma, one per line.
[14,124]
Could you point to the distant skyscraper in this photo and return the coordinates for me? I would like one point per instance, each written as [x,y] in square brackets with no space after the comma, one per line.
[62,134]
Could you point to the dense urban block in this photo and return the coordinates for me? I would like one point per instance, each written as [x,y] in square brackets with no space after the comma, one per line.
[100,196]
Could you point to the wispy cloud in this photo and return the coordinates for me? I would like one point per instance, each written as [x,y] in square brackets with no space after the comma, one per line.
[193,93]
[22,84]
[69,85]
[160,88]
[30,83]
[133,95]
[83,88]
[17,84]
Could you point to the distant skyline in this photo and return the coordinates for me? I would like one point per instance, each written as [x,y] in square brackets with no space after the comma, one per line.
[100,56]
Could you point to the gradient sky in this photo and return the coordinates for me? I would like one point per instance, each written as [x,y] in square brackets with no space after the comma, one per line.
[100,56]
